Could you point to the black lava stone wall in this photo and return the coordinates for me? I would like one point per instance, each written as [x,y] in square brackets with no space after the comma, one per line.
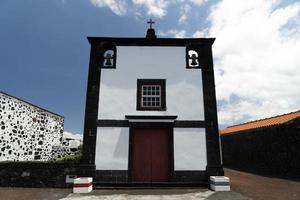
[271,151]
[36,174]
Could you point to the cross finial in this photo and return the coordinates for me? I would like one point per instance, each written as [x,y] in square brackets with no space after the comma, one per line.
[150,22]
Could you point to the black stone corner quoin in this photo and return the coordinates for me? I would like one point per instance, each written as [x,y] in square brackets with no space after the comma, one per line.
[204,50]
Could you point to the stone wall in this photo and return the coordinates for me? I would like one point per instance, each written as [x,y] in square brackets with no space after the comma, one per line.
[36,174]
[271,151]
[27,132]
[67,147]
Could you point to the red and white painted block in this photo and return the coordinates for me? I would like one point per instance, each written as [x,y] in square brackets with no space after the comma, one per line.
[219,183]
[83,185]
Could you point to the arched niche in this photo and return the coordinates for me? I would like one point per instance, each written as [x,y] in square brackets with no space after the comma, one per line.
[108,55]
[192,57]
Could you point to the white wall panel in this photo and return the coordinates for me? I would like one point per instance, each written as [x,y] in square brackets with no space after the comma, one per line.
[184,95]
[189,149]
[112,148]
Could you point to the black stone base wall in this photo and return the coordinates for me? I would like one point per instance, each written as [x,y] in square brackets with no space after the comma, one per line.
[121,178]
[189,177]
[111,176]
[36,174]
[273,151]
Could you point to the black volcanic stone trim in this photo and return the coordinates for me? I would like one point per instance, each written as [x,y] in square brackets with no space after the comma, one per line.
[111,176]
[189,124]
[112,123]
[152,42]
[120,178]
[151,124]
[149,185]
[126,123]
[140,83]
[91,108]
[189,176]
[151,117]
[210,112]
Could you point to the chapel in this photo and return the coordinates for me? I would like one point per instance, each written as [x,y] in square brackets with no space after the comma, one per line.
[151,115]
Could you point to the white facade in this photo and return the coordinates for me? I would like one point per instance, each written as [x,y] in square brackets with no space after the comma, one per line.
[189,149]
[118,97]
[112,148]
[184,94]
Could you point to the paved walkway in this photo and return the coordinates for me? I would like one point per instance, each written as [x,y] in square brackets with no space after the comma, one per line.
[168,194]
[263,188]
[151,194]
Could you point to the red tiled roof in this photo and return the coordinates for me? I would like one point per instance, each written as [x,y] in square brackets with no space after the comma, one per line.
[272,121]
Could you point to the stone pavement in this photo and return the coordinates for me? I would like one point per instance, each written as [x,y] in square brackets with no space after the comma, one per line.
[262,187]
[138,194]
[170,194]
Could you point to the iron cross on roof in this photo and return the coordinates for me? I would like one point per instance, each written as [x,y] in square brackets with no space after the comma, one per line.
[150,22]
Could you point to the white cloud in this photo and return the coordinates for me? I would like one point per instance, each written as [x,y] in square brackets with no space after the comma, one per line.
[200,34]
[256,58]
[72,136]
[157,8]
[173,33]
[198,2]
[119,7]
[184,11]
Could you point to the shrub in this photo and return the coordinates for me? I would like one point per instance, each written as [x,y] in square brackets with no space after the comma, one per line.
[75,158]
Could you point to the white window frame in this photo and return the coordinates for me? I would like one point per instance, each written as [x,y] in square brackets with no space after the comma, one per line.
[151,96]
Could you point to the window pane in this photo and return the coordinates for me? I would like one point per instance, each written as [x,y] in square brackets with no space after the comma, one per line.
[151,96]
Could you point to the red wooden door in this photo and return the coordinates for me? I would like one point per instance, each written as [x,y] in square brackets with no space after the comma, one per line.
[151,155]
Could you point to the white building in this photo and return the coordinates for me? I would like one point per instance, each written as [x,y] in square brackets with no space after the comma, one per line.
[151,113]
[27,132]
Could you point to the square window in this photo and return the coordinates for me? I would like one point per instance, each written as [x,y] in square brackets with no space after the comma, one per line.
[151,94]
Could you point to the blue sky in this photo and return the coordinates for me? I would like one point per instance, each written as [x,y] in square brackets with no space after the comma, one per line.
[44,53]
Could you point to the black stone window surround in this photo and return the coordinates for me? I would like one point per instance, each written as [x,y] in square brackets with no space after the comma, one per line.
[151,95]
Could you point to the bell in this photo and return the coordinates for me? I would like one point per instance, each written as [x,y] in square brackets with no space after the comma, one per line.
[107,60]
[194,60]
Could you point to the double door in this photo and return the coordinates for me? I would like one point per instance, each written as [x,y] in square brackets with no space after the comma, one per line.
[151,155]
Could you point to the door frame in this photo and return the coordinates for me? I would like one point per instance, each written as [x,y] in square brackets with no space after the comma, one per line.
[167,125]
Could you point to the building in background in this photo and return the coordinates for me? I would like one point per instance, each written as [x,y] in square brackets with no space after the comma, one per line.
[28,132]
[71,144]
[268,146]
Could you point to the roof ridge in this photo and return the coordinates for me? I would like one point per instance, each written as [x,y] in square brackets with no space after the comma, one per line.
[263,119]
[29,103]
